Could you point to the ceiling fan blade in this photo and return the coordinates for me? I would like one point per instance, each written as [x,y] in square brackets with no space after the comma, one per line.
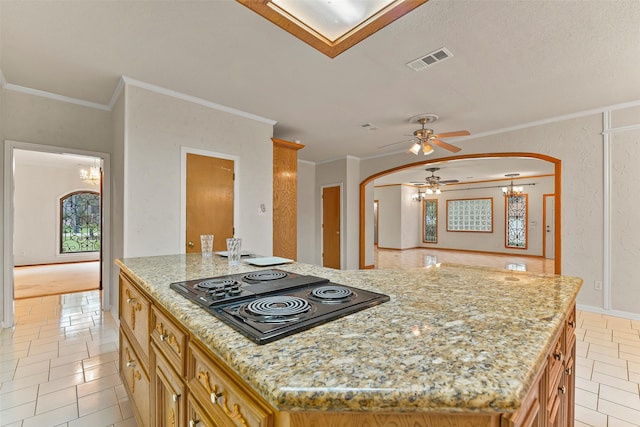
[449,181]
[452,134]
[444,145]
[404,141]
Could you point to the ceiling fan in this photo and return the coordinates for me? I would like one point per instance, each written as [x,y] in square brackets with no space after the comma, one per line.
[433,182]
[424,138]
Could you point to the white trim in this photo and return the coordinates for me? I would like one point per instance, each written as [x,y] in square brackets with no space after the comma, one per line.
[619,129]
[306,162]
[607,168]
[616,313]
[343,256]
[183,186]
[7,286]
[56,97]
[3,81]
[196,100]
[116,93]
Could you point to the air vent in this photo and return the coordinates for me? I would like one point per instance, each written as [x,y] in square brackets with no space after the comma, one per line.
[429,59]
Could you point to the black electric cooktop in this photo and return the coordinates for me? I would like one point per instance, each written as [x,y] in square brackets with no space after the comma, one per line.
[267,305]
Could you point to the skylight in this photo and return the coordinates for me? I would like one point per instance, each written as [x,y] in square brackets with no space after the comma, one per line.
[332,26]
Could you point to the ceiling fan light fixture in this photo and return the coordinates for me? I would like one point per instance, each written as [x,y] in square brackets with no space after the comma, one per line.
[429,191]
[415,148]
[426,149]
[438,191]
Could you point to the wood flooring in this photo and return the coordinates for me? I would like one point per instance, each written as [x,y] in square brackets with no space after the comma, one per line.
[55,279]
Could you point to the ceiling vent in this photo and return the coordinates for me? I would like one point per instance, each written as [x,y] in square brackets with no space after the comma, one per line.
[429,59]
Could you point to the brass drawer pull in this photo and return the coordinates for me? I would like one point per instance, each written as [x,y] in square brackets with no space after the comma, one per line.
[163,337]
[131,300]
[175,397]
[131,363]
[572,323]
[568,371]
[193,423]
[562,389]
[557,355]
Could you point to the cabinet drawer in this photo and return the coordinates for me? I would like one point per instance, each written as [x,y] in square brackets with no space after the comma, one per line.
[555,365]
[196,416]
[169,391]
[135,380]
[169,339]
[224,399]
[134,315]
[570,329]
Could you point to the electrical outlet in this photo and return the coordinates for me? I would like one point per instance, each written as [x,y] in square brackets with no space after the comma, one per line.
[597,285]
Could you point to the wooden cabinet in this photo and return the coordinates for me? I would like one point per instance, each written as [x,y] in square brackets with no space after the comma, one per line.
[169,393]
[135,379]
[173,380]
[222,395]
[285,198]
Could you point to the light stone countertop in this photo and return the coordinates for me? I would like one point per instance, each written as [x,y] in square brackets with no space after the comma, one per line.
[451,339]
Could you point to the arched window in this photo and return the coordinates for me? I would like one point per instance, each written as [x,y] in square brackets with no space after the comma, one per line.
[80,222]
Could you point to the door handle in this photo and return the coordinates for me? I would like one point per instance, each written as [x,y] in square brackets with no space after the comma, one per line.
[190,244]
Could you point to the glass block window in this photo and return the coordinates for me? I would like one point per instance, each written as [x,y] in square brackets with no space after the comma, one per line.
[516,221]
[470,215]
[430,210]
[80,222]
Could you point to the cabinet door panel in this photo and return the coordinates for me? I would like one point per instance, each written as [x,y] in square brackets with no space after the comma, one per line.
[169,393]
[135,380]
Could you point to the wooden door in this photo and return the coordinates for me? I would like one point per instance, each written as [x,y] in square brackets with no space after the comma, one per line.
[549,230]
[331,227]
[209,201]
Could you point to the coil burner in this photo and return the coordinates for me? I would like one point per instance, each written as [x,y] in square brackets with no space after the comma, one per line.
[276,309]
[332,294]
[264,276]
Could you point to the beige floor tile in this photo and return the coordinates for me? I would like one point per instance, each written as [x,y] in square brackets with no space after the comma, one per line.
[624,398]
[67,348]
[97,401]
[55,417]
[616,410]
[634,377]
[630,342]
[99,371]
[125,408]
[11,347]
[8,365]
[634,366]
[57,399]
[590,417]
[610,358]
[611,370]
[31,369]
[37,358]
[586,399]
[98,385]
[75,357]
[100,359]
[599,334]
[103,417]
[65,370]
[60,383]
[130,422]
[587,385]
[631,349]
[614,382]
[96,350]
[615,422]
[630,357]
[39,348]
[19,397]
[12,386]
[601,343]
[17,413]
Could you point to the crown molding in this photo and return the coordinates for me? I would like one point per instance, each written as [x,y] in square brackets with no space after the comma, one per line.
[55,96]
[195,100]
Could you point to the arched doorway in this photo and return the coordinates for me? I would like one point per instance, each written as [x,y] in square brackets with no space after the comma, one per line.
[557,168]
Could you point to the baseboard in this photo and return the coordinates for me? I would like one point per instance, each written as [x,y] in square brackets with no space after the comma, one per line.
[615,313]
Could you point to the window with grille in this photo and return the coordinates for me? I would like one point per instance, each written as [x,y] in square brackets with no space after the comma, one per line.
[516,221]
[430,209]
[80,222]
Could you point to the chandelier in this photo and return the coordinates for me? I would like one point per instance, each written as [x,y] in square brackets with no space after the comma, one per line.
[91,176]
[511,190]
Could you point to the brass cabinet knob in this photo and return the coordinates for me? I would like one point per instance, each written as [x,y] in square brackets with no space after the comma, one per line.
[557,355]
[175,397]
[572,323]
[131,300]
[131,363]
[190,244]
[562,389]
[163,337]
[568,371]
[193,423]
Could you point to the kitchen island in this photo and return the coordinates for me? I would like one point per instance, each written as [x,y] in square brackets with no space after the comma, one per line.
[455,345]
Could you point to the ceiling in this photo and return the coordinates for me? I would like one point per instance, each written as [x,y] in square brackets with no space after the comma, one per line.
[514,62]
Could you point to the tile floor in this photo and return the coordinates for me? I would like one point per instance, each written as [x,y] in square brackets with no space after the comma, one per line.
[59,365]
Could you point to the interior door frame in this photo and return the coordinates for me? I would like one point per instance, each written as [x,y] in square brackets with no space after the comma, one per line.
[545,202]
[342,251]
[7,320]
[183,193]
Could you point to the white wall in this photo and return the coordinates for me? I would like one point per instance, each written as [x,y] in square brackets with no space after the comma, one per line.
[307,211]
[37,191]
[494,241]
[38,120]
[157,128]
[389,216]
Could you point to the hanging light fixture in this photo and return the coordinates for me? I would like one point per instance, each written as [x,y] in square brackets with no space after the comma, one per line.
[92,175]
[511,190]
[420,196]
